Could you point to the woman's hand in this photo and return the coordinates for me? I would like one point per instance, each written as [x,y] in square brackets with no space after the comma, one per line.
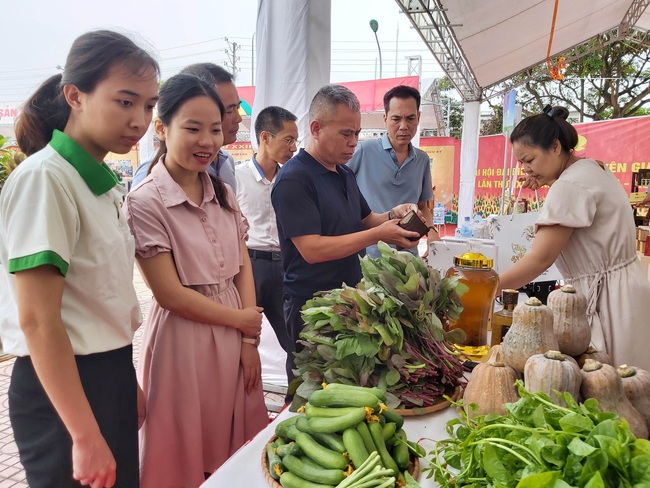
[93,463]
[250,361]
[250,323]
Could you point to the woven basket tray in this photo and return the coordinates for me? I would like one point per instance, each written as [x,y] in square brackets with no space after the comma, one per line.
[441,404]
[414,466]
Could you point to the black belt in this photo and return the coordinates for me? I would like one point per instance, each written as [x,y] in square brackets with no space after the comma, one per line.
[268,255]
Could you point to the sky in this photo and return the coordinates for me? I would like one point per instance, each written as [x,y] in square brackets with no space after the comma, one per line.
[40,33]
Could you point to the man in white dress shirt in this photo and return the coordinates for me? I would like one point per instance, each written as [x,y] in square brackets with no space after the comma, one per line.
[277,138]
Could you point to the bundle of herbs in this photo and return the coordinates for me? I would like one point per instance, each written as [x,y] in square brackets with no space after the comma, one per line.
[540,444]
[388,331]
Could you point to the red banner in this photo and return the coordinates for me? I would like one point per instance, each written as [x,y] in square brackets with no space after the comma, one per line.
[622,144]
[370,92]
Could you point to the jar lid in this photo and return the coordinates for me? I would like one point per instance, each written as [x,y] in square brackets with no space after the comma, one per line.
[509,297]
[473,258]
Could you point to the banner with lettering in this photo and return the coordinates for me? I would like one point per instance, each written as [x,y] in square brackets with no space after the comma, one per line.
[622,144]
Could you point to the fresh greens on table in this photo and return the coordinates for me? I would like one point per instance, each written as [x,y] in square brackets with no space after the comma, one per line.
[388,331]
[540,444]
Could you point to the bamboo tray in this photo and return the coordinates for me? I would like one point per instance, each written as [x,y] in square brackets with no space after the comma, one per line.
[414,466]
[441,404]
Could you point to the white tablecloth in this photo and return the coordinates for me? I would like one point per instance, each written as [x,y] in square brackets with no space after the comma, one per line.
[244,468]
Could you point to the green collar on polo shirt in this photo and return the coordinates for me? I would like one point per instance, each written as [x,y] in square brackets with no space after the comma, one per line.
[99,177]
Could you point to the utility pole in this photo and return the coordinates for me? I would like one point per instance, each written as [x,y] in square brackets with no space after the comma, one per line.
[231,52]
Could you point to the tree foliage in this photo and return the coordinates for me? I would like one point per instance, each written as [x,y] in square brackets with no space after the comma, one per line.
[601,81]
[455,117]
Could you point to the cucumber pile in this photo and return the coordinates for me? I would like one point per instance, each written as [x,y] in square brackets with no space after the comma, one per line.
[346,438]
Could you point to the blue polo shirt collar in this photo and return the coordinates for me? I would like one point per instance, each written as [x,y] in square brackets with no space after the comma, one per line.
[385,143]
[99,177]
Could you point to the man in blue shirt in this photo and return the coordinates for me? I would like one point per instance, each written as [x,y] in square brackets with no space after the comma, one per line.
[324,222]
[224,165]
[390,170]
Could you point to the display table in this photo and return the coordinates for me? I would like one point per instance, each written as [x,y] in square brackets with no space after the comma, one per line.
[244,467]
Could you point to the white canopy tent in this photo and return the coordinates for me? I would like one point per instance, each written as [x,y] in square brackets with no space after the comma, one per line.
[482,43]
[478,43]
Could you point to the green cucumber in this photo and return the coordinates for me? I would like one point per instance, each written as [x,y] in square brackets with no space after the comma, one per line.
[362,429]
[333,441]
[275,463]
[401,451]
[309,461]
[378,392]
[324,476]
[322,455]
[388,430]
[282,427]
[291,448]
[378,439]
[355,447]
[337,424]
[327,412]
[302,424]
[292,432]
[290,480]
[392,416]
[343,398]
[330,440]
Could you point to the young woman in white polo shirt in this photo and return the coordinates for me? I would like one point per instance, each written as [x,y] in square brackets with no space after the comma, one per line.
[67,257]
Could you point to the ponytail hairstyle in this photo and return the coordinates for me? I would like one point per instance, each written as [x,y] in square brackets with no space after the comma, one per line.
[542,130]
[89,61]
[174,93]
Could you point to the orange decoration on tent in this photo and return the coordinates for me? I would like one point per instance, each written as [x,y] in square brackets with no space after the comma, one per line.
[554,70]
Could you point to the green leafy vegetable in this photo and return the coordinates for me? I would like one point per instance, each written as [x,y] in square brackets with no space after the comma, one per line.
[540,444]
[387,331]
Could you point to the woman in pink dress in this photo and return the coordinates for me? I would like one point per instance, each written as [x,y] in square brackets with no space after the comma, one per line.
[199,365]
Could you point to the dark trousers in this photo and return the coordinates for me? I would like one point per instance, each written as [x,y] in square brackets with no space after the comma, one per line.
[268,273]
[44,444]
[292,306]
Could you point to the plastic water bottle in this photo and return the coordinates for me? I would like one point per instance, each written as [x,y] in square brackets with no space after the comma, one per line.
[466,228]
[478,226]
[439,214]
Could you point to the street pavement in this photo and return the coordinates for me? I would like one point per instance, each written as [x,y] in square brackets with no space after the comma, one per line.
[11,471]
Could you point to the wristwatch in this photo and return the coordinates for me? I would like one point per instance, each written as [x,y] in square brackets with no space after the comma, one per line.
[251,340]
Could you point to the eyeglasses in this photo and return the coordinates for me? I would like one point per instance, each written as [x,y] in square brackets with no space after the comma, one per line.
[289,141]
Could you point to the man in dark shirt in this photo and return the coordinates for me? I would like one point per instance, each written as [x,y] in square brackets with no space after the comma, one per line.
[324,222]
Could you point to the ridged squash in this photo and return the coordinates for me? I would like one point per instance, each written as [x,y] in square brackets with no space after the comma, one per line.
[570,323]
[491,385]
[636,384]
[531,333]
[602,382]
[551,372]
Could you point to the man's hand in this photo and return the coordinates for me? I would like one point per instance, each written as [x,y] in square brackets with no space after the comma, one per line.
[400,211]
[391,233]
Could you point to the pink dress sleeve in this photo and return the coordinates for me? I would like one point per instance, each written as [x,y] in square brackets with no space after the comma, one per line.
[150,235]
[569,205]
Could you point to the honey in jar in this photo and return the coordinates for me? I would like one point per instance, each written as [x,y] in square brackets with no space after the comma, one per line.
[475,271]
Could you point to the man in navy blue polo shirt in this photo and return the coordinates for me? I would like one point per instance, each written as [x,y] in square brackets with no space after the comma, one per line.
[324,222]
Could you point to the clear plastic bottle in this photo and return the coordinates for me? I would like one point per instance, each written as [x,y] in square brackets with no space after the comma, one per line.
[466,228]
[475,271]
[439,214]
